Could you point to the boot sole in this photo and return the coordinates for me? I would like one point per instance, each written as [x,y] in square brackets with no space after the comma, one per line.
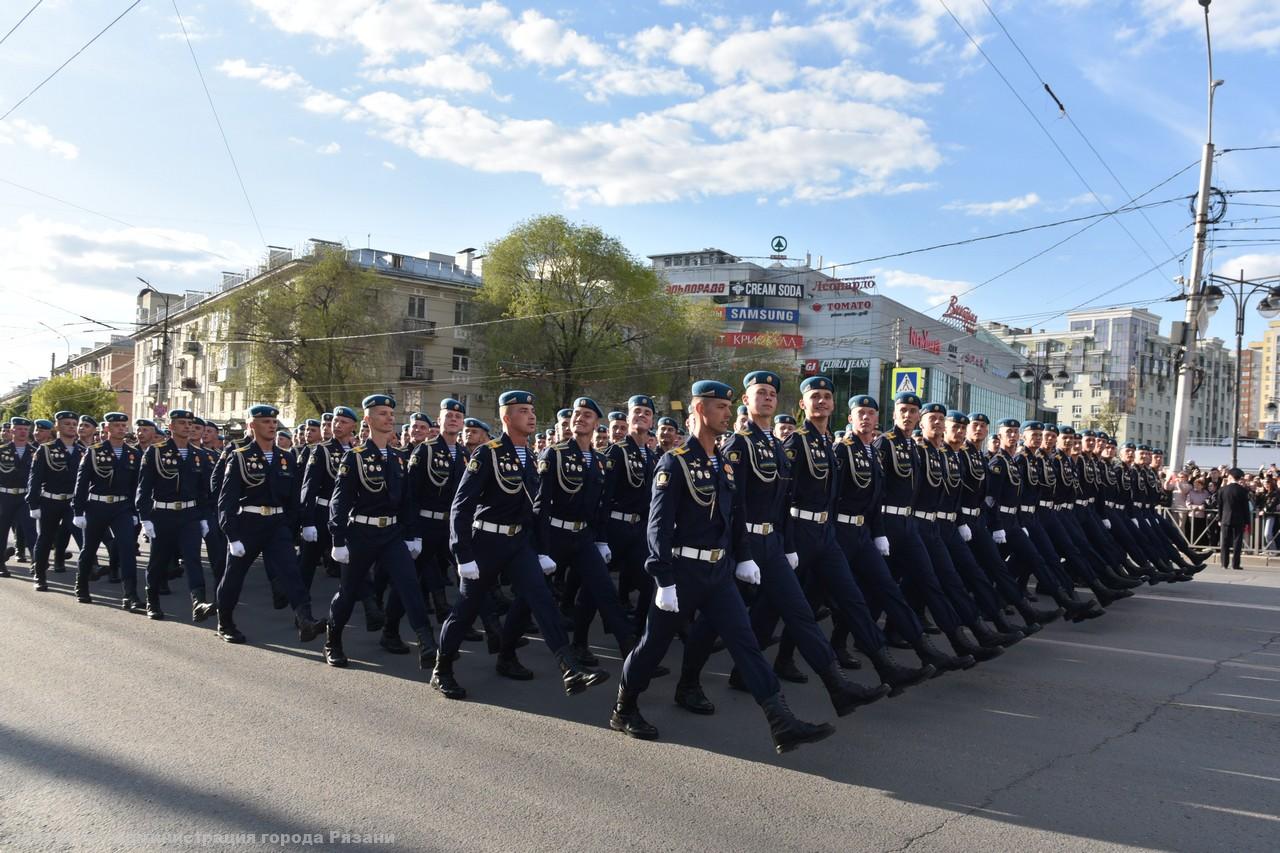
[619,726]
[822,734]
[455,695]
[233,640]
[338,663]
[399,650]
[701,710]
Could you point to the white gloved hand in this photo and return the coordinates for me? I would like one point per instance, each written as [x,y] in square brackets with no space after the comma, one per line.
[310,534]
[80,521]
[747,572]
[989,500]
[606,553]
[469,571]
[965,533]
[34,513]
[1026,533]
[236,547]
[415,547]
[999,537]
[204,528]
[666,599]
[149,530]
[882,545]
[793,560]
[1106,522]
[1135,523]
[547,564]
[135,521]
[340,554]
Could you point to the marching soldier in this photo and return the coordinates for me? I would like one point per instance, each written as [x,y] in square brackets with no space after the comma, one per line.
[16,455]
[668,433]
[49,492]
[104,506]
[317,491]
[629,484]
[204,438]
[475,433]
[783,426]
[617,427]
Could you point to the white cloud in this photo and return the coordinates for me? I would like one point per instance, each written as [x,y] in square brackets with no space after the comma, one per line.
[388,165]
[1236,25]
[195,30]
[325,103]
[544,41]
[1255,265]
[995,208]
[36,137]
[448,72]
[270,76]
[331,148]
[936,290]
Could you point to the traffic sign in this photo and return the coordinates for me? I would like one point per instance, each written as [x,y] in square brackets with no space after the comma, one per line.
[778,244]
[908,380]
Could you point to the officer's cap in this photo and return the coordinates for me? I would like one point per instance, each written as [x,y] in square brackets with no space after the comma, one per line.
[1066,430]
[907,398]
[957,416]
[1155,451]
[1009,422]
[448,404]
[1102,435]
[187,414]
[1027,426]
[515,398]
[933,409]
[564,413]
[642,400]
[476,423]
[144,422]
[588,403]
[1113,442]
[263,410]
[742,410]
[311,422]
[671,422]
[711,388]
[17,421]
[602,428]
[784,419]
[863,401]
[422,417]
[817,383]
[377,400]
[1053,428]
[617,416]
[44,423]
[88,419]
[979,418]
[762,377]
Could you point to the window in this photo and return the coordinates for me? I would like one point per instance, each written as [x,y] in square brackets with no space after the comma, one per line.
[1077,393]
[461,313]
[461,360]
[1075,411]
[666,262]
[414,362]
[418,307]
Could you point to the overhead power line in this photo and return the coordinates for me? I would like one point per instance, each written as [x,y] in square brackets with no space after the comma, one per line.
[20,20]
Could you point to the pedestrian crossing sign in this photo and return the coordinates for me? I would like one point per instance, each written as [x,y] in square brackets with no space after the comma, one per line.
[908,380]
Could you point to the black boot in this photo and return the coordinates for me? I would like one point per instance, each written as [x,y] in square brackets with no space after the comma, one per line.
[427,647]
[942,662]
[129,600]
[787,730]
[200,610]
[626,717]
[989,638]
[575,676]
[897,676]
[492,632]
[333,652]
[509,666]
[227,630]
[392,643]
[42,577]
[965,645]
[82,586]
[308,626]
[441,604]
[1036,616]
[689,695]
[843,656]
[374,617]
[1114,580]
[279,601]
[1106,597]
[1077,610]
[442,678]
[585,656]
[846,696]
[786,669]
[153,604]
[1004,626]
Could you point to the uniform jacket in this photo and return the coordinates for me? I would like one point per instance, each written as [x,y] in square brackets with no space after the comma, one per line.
[497,488]
[250,480]
[15,470]
[373,485]
[101,473]
[435,474]
[763,475]
[570,488]
[318,478]
[163,475]
[861,487]
[900,460]
[629,477]
[53,470]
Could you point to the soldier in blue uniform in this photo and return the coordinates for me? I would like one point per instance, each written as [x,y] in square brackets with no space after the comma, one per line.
[628,486]
[491,532]
[697,543]
[371,521]
[317,491]
[475,432]
[49,492]
[764,480]
[204,435]
[668,433]
[256,511]
[104,506]
[15,471]
[783,426]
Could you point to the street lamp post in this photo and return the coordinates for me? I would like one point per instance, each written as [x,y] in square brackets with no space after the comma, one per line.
[162,387]
[1038,372]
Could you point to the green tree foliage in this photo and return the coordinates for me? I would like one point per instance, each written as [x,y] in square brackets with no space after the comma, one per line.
[1107,419]
[84,395]
[287,321]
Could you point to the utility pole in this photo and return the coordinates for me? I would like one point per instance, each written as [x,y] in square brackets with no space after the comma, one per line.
[1186,371]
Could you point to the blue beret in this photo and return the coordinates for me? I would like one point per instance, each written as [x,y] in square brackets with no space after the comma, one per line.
[1103,435]
[1030,425]
[141,422]
[86,419]
[477,423]
[515,398]
[200,422]
[423,417]
[564,413]
[262,410]
[1155,451]
[742,410]
[762,377]
[1145,447]
[917,432]
[671,422]
[863,401]
[1053,428]
[711,388]
[378,400]
[617,416]
[1088,433]
[448,404]
[784,419]
[933,409]
[1009,422]
[59,416]
[588,403]
[285,432]
[979,418]
[816,383]
[1066,430]
[311,422]
[344,412]
[642,400]
[1130,445]
[907,398]
[44,423]
[185,414]
[602,428]
[957,416]
[17,421]
[325,417]
[1112,442]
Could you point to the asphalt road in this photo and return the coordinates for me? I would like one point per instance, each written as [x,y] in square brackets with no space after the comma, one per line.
[1155,727]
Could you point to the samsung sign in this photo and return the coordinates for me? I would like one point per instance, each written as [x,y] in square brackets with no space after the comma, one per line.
[761,315]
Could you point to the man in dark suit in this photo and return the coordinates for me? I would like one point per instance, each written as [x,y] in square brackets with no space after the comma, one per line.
[1234,503]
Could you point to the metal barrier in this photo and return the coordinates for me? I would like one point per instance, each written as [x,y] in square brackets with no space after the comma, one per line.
[1204,532]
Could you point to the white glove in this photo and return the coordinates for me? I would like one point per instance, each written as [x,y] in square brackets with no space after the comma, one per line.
[965,533]
[747,572]
[415,547]
[80,521]
[34,513]
[204,528]
[793,560]
[989,500]
[310,534]
[1026,533]
[666,599]
[547,564]
[999,537]
[605,553]
[1135,523]
[149,530]
[340,554]
[882,545]
[469,571]
[1106,522]
[236,547]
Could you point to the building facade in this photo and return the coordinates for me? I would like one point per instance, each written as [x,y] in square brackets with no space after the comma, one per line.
[111,363]
[1250,389]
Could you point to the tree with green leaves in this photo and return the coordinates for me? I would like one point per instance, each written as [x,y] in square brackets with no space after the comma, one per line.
[291,325]
[66,393]
[1107,419]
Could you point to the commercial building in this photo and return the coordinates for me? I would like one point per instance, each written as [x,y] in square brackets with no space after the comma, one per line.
[1250,389]
[111,363]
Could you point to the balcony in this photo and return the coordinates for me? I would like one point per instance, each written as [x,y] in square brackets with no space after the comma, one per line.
[190,383]
[418,373]
[425,328]
[230,374]
[191,347]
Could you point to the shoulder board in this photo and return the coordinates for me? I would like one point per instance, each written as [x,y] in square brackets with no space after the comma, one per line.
[800,431]
[678,451]
[47,443]
[495,443]
[848,439]
[241,448]
[359,448]
[561,445]
[97,444]
[891,435]
[744,432]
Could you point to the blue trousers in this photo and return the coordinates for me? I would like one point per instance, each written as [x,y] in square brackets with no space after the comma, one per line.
[14,516]
[630,549]
[825,571]
[948,577]
[970,571]
[987,553]
[708,589]
[55,523]
[596,592]
[1077,563]
[270,537]
[873,577]
[1048,552]
[435,560]
[1027,558]
[177,535]
[912,565]
[115,522]
[387,549]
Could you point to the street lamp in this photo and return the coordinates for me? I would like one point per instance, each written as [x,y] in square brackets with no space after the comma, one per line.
[1038,372]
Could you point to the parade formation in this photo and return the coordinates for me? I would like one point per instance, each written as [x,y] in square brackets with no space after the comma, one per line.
[740,528]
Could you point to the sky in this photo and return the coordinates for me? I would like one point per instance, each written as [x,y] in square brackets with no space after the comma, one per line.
[857,130]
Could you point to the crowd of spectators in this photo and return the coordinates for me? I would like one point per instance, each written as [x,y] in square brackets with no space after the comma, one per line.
[1192,494]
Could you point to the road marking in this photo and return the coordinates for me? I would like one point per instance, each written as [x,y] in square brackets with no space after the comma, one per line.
[1240,773]
[1223,708]
[1162,655]
[1258,678]
[1242,696]
[1011,714]
[1273,608]
[1237,812]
